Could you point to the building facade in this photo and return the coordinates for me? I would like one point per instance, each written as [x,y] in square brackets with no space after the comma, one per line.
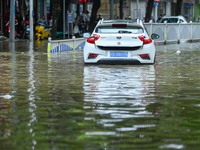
[137,8]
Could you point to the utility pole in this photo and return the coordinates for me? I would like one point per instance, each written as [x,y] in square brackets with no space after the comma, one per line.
[156,9]
[156,13]
[111,9]
[12,20]
[31,21]
[64,19]
[138,13]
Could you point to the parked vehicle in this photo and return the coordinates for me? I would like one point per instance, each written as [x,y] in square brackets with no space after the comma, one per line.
[42,32]
[173,19]
[120,42]
[26,34]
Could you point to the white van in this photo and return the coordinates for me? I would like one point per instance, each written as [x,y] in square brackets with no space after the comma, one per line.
[173,19]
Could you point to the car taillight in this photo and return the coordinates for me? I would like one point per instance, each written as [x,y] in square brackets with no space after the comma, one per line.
[145,40]
[145,56]
[93,38]
[92,56]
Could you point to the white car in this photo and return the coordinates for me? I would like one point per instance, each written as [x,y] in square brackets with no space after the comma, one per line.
[120,42]
[173,19]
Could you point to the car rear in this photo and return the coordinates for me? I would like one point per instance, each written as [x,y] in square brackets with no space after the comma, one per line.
[119,43]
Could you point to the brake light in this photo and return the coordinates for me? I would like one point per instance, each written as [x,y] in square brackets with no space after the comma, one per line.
[92,56]
[119,25]
[145,56]
[93,38]
[145,40]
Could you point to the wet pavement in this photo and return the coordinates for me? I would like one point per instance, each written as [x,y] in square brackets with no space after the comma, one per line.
[54,101]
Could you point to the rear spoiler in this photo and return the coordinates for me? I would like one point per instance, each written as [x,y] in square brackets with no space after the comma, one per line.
[140,22]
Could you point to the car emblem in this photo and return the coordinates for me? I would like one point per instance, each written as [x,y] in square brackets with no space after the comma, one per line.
[118,43]
[119,37]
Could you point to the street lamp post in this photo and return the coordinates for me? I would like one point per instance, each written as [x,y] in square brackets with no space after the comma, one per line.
[138,17]
[64,21]
[31,20]
[156,9]
[12,20]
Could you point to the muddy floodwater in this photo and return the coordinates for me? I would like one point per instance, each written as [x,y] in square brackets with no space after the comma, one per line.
[55,102]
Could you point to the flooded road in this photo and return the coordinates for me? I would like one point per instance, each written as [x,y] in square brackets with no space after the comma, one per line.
[56,102]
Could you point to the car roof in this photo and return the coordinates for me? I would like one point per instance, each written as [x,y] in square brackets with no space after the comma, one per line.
[119,21]
[172,17]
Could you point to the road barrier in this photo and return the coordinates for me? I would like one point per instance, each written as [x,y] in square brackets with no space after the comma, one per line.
[55,46]
[175,32]
[168,32]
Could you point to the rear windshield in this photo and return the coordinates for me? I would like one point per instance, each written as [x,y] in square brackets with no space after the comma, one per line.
[170,20]
[117,30]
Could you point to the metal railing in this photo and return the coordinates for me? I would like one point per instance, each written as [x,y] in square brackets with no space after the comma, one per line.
[174,32]
[55,46]
[169,33]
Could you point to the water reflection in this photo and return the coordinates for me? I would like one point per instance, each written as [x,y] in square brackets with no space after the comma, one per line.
[118,94]
[31,97]
[55,102]
[7,69]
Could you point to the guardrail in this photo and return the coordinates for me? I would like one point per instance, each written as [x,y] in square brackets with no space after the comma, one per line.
[174,32]
[169,33]
[55,46]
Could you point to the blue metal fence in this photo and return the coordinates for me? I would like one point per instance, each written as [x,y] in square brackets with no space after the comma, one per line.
[55,46]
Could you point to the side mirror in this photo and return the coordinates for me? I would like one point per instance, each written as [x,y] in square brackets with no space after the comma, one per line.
[155,36]
[86,35]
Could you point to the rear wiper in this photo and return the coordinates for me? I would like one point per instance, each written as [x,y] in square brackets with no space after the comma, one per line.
[124,31]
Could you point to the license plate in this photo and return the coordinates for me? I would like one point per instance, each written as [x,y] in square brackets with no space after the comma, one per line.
[118,54]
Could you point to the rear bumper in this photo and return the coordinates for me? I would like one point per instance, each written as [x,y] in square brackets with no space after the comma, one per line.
[120,62]
[133,57]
